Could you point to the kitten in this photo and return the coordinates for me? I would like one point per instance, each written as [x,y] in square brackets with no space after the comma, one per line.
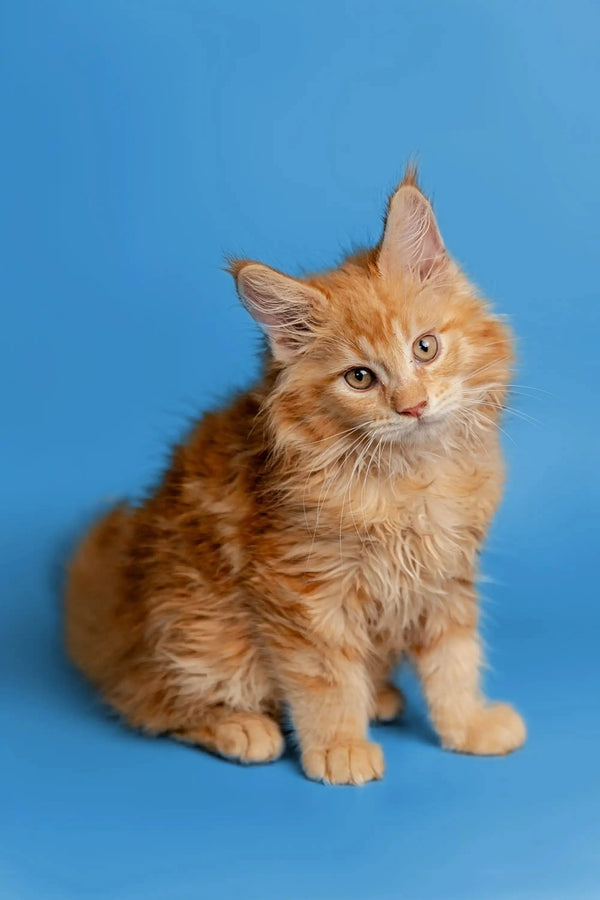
[321,527]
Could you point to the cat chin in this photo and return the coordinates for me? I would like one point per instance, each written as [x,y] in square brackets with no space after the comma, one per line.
[419,433]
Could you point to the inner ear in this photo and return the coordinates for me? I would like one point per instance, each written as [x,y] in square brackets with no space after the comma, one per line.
[411,239]
[285,307]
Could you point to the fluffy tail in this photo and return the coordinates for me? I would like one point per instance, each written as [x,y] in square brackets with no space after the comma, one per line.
[94,632]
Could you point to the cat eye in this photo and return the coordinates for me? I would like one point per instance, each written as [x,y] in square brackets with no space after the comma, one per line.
[426,348]
[360,379]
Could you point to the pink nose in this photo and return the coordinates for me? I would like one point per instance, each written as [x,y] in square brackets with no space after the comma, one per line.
[416,411]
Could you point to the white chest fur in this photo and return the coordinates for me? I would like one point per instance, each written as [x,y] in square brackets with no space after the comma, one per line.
[417,536]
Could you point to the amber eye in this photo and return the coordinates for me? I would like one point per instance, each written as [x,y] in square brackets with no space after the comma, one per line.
[426,348]
[360,379]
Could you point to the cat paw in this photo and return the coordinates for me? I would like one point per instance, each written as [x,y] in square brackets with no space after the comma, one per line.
[244,736]
[389,703]
[251,738]
[348,762]
[492,731]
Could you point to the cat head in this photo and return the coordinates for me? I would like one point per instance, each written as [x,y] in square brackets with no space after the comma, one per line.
[394,344]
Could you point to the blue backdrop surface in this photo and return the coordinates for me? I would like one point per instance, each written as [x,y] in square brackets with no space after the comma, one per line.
[143,139]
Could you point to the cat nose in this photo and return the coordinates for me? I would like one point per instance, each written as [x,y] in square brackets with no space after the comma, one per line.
[415,411]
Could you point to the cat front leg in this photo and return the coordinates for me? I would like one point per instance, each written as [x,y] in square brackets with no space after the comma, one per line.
[329,696]
[448,660]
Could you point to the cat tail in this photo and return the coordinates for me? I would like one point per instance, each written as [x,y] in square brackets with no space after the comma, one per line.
[94,596]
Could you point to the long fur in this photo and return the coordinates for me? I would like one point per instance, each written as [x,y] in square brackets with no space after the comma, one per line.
[308,536]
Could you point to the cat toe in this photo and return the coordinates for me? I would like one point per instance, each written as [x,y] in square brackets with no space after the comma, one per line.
[347,762]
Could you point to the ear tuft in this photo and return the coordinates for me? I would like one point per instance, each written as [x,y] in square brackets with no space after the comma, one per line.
[234,266]
[411,175]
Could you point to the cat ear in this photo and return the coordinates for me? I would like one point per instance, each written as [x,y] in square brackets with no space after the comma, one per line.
[411,238]
[283,306]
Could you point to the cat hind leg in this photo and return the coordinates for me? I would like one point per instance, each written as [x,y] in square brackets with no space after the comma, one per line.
[388,704]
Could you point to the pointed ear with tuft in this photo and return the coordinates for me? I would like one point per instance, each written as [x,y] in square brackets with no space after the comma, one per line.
[411,239]
[285,307]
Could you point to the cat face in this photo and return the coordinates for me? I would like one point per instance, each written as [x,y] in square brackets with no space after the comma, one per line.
[394,345]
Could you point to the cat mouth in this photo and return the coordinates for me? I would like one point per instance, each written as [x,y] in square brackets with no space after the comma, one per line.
[412,426]
[425,421]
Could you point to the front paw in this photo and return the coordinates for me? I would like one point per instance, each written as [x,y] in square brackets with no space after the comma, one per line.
[346,762]
[491,731]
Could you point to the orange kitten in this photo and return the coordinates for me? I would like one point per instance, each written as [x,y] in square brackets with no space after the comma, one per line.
[321,527]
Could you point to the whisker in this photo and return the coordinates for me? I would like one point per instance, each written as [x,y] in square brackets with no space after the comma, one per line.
[495,424]
[511,409]
[331,436]
[484,368]
[510,387]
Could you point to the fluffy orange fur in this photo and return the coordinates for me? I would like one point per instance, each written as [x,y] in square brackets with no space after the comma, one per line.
[318,529]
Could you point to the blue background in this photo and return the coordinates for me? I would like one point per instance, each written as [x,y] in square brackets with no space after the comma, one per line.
[143,139]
